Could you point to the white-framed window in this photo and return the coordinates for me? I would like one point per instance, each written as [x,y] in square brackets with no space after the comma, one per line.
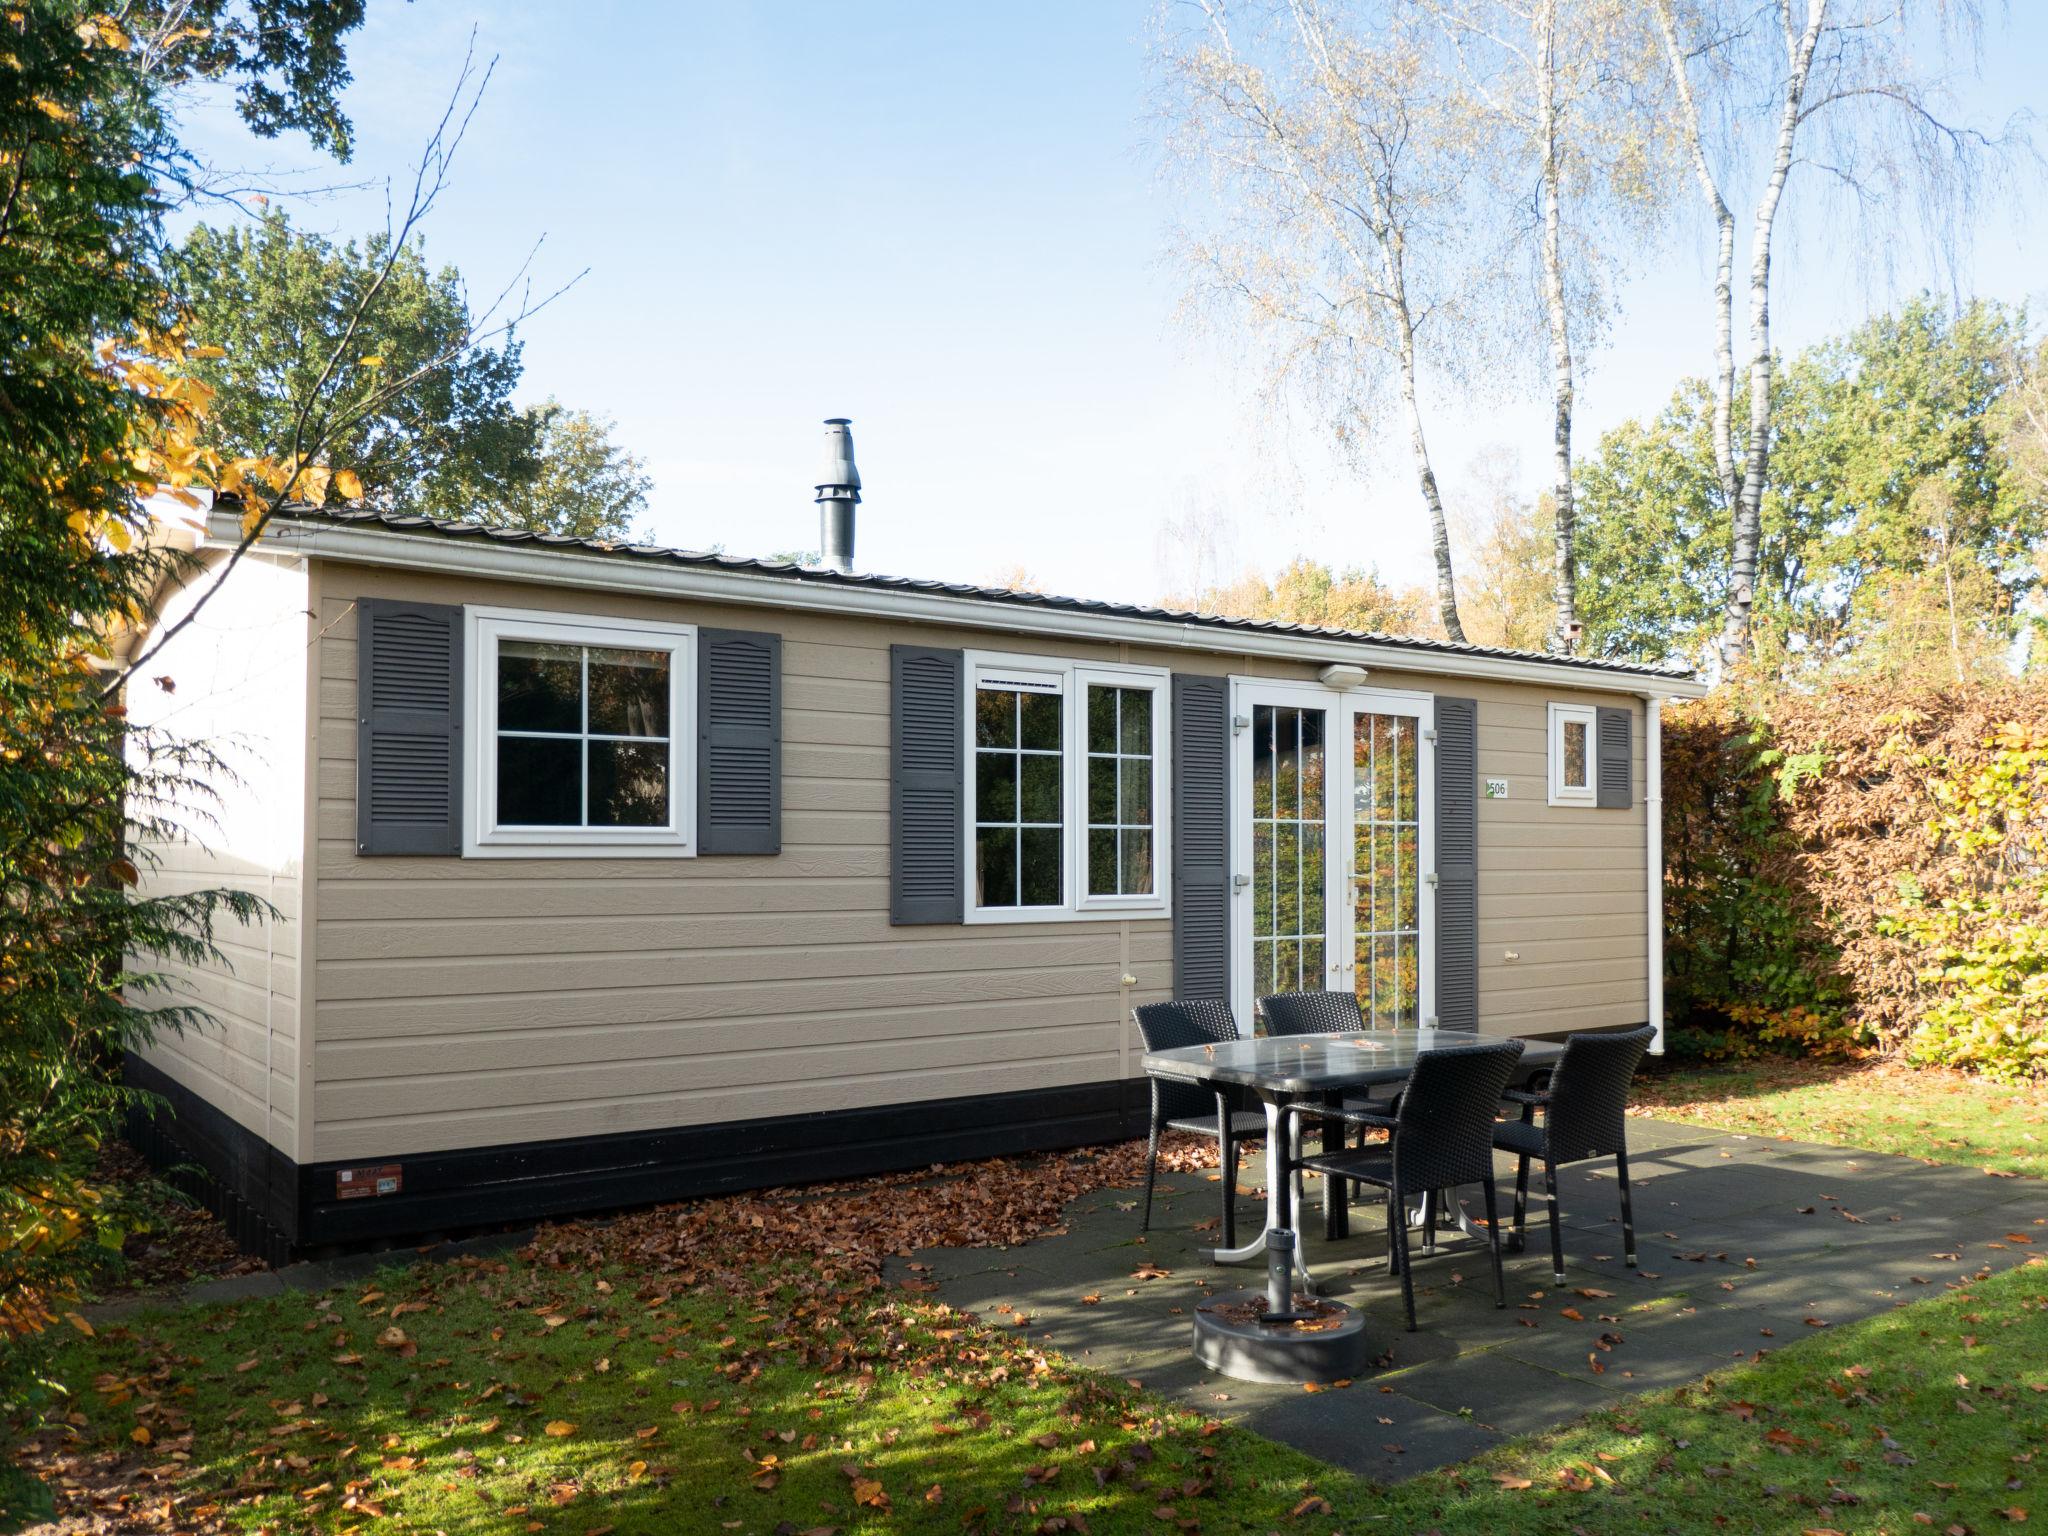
[580,736]
[1066,792]
[1572,745]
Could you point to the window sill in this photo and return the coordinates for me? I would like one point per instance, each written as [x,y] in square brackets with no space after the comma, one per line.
[1584,799]
[578,849]
[983,916]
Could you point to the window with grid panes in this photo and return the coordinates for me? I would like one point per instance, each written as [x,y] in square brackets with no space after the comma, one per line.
[1120,773]
[1019,796]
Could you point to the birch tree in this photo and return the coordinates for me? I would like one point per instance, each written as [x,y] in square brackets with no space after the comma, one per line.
[1341,188]
[1833,86]
[1553,86]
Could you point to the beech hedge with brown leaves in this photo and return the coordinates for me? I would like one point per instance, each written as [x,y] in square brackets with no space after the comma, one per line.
[1860,868]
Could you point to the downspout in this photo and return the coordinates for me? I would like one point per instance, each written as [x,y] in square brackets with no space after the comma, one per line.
[1653,813]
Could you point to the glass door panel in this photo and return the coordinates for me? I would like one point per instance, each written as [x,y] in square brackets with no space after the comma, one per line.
[1386,869]
[1289,917]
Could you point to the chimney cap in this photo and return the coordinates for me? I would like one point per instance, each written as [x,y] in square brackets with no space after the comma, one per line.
[841,481]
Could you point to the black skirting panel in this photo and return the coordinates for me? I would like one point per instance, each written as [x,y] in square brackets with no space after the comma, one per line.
[233,1172]
[443,1192]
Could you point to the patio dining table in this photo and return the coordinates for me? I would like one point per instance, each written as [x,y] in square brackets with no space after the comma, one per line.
[1287,1069]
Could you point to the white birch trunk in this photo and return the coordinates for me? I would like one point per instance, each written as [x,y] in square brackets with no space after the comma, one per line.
[1565,572]
[1736,620]
[1724,260]
[1439,529]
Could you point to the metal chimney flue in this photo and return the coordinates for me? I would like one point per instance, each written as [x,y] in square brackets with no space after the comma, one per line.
[838,495]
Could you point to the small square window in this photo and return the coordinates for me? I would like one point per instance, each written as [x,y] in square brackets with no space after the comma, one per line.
[571,735]
[1571,755]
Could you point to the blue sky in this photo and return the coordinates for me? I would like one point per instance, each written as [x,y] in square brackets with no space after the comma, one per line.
[948,223]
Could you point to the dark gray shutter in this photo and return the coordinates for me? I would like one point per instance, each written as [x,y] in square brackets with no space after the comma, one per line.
[739,741]
[927,778]
[1614,773]
[1457,863]
[408,728]
[1201,837]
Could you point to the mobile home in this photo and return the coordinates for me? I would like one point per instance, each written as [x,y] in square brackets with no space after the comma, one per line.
[607,874]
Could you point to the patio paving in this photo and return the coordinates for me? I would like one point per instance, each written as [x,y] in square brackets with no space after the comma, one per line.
[1741,1240]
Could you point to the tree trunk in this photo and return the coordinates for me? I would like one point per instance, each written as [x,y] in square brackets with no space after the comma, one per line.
[1439,530]
[1736,621]
[1564,630]
[1724,260]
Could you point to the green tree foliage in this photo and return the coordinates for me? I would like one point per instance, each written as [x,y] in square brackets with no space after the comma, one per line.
[2021,421]
[1893,529]
[286,59]
[95,422]
[588,485]
[1653,534]
[278,302]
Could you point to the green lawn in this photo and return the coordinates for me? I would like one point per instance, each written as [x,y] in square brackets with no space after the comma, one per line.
[513,1397]
[703,1371]
[1942,1117]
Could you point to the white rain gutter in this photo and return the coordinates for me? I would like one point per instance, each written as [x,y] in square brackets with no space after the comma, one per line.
[555,566]
[1653,812]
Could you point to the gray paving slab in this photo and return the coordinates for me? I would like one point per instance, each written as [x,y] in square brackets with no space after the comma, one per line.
[1741,1239]
[1415,1437]
[1499,1392]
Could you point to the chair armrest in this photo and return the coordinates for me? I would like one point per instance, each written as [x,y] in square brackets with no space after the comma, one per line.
[1518,1096]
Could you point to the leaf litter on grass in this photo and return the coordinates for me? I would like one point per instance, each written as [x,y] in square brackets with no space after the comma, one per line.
[770,1310]
[718,1365]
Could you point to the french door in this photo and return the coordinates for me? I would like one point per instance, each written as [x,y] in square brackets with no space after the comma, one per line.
[1333,848]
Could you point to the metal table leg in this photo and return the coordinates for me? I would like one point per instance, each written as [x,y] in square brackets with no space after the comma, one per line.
[1277,1218]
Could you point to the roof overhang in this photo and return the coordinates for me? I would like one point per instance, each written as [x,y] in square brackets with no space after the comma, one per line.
[592,571]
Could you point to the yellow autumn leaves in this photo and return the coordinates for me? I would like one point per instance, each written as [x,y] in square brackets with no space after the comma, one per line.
[53,1213]
[168,454]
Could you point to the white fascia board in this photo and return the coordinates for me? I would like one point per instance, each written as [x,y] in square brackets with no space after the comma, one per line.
[559,567]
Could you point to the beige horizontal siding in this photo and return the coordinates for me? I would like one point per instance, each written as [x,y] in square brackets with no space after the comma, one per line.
[567,1044]
[239,676]
[1561,887]
[445,1017]
[466,1002]
[807,1095]
[470,1002]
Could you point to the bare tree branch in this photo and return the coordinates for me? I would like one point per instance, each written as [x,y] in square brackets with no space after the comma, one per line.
[320,420]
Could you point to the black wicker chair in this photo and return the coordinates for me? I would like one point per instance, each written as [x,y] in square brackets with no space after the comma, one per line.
[1585,1115]
[1442,1136]
[1178,1106]
[1312,1013]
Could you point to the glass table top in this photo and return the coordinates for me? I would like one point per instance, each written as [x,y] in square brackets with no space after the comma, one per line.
[1314,1063]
